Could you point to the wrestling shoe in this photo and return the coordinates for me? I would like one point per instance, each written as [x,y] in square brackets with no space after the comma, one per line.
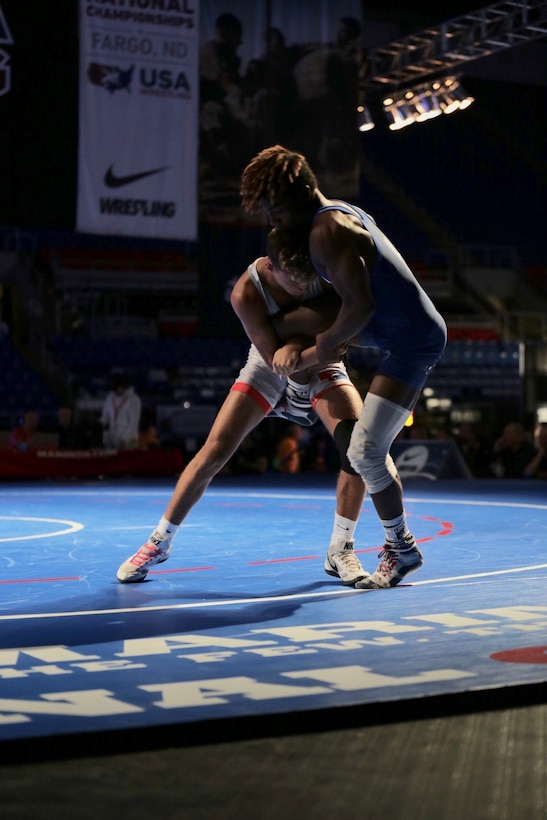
[342,562]
[136,568]
[395,564]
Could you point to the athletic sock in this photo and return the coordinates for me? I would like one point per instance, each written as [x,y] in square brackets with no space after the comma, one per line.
[165,531]
[397,532]
[343,530]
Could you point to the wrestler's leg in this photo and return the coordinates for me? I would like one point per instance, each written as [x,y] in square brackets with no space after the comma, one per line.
[338,407]
[385,410]
[254,393]
[236,418]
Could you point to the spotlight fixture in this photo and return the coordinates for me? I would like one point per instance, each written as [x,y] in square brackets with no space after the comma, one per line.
[424,102]
[364,118]
[427,106]
[449,103]
[453,97]
[464,98]
[407,112]
[434,106]
[399,114]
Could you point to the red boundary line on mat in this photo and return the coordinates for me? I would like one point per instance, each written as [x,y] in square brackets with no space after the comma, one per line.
[182,569]
[40,580]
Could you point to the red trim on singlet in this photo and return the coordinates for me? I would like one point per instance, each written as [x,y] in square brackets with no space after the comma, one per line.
[326,390]
[250,391]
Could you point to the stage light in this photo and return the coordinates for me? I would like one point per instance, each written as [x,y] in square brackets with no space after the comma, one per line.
[424,102]
[454,98]
[394,119]
[450,82]
[465,99]
[399,116]
[427,106]
[364,119]
[421,103]
[449,103]
[408,111]
[435,106]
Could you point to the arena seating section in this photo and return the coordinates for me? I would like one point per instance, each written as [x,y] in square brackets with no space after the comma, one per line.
[175,364]
[200,371]
[161,369]
[22,387]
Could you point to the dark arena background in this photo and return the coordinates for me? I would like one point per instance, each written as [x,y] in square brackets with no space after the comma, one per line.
[239,680]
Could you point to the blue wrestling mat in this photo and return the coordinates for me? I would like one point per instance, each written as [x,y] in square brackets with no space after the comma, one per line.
[242,622]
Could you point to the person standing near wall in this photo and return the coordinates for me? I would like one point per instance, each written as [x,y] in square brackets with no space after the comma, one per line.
[121,416]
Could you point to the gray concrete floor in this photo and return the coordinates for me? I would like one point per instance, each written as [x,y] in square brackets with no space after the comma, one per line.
[488,765]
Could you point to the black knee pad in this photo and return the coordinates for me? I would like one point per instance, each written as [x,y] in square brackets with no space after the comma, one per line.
[342,434]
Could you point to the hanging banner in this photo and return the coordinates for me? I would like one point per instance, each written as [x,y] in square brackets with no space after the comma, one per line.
[138,107]
[5,40]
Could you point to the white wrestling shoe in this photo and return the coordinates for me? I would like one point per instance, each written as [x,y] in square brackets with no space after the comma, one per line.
[136,568]
[341,562]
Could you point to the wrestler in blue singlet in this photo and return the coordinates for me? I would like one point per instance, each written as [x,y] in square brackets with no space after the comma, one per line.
[406,325]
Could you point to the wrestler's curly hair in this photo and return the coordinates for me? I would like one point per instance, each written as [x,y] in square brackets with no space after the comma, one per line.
[271,173]
[288,251]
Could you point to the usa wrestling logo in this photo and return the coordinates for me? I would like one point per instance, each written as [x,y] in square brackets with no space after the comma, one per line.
[111,78]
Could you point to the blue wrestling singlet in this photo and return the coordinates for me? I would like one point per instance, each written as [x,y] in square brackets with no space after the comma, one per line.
[406,325]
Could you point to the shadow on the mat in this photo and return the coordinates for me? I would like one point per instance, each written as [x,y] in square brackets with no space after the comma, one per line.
[137,611]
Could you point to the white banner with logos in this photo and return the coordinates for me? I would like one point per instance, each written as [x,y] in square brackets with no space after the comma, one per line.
[138,118]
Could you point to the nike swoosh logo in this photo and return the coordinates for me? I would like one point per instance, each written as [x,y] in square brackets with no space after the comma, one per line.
[113,181]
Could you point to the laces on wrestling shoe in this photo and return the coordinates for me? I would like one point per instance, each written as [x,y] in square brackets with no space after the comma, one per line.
[396,562]
[136,568]
[342,562]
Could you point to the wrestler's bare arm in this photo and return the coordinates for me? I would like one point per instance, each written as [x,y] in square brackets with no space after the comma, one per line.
[250,309]
[344,252]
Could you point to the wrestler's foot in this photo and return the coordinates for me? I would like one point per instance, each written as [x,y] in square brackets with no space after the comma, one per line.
[136,568]
[342,562]
[395,564]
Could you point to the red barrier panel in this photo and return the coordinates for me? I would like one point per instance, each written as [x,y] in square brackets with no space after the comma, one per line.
[90,463]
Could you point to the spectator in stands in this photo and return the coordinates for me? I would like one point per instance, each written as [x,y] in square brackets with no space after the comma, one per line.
[22,436]
[327,81]
[264,291]
[537,467]
[219,62]
[476,450]
[148,433]
[288,453]
[121,416]
[89,422]
[279,61]
[321,455]
[221,92]
[148,437]
[512,452]
[70,435]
